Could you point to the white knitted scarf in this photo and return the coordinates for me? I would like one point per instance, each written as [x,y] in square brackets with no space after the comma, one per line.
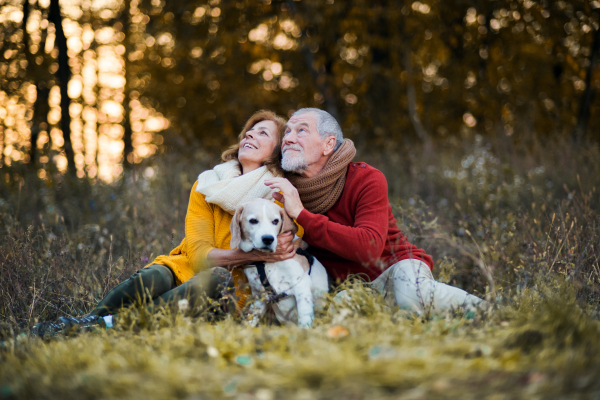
[225,186]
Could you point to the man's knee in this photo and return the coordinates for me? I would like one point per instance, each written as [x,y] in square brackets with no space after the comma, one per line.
[411,270]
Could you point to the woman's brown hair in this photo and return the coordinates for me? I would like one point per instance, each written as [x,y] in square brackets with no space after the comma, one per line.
[273,163]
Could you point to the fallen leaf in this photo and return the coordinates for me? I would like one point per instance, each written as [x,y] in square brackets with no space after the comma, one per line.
[337,332]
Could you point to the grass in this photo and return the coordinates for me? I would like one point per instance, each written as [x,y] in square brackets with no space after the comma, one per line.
[518,225]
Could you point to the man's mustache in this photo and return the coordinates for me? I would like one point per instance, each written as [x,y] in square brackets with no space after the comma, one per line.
[292,147]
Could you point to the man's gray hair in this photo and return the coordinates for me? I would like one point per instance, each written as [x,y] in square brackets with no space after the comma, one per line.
[326,125]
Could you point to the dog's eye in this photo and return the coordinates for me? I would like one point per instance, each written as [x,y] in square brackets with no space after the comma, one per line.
[253,221]
[275,221]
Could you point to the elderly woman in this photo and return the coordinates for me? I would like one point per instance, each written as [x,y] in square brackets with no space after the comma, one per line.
[190,271]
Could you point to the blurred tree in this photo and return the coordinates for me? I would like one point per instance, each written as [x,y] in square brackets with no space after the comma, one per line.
[590,91]
[393,73]
[40,78]
[125,19]
[64,75]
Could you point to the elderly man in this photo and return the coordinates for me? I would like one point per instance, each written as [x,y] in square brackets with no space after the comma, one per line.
[347,219]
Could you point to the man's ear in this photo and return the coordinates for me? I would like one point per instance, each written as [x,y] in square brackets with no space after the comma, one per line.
[287,224]
[236,229]
[329,145]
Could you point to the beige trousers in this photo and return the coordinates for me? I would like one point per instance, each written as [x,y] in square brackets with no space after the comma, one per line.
[410,285]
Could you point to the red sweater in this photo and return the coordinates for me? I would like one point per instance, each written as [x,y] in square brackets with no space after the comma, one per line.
[359,234]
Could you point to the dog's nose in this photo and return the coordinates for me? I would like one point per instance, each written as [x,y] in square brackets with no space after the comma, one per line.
[268,239]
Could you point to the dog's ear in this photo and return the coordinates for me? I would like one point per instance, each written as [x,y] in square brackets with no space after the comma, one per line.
[236,229]
[287,224]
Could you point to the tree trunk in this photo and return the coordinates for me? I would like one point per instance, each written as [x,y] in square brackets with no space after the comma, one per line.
[580,130]
[39,120]
[319,78]
[412,98]
[64,75]
[1,148]
[24,27]
[127,133]
[34,129]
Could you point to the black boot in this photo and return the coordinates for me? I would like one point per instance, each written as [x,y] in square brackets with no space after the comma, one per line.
[45,329]
[82,324]
[68,325]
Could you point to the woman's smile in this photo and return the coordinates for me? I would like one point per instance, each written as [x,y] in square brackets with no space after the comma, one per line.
[249,146]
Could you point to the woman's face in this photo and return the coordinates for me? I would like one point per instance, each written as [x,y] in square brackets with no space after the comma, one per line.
[258,145]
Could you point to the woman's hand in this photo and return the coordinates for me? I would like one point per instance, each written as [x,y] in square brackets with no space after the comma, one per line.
[233,258]
[284,251]
[289,196]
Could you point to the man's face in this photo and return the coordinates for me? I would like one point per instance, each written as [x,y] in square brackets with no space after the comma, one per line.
[302,145]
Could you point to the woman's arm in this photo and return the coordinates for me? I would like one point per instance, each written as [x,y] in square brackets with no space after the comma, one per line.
[201,243]
[233,258]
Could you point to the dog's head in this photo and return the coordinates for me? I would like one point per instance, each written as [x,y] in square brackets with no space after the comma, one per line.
[256,224]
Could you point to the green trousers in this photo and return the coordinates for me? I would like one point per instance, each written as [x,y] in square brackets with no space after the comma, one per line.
[156,283]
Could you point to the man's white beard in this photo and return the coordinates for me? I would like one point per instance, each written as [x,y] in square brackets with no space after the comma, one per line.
[293,161]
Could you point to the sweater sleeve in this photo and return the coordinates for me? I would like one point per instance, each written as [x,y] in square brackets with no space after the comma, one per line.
[364,241]
[199,230]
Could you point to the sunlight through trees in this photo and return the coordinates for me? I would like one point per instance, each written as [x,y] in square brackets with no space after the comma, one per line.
[97,85]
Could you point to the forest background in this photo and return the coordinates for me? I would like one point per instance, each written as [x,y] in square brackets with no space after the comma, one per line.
[482,114]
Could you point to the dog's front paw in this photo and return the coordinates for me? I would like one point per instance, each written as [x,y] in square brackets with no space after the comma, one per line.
[254,313]
[305,323]
[253,321]
[252,318]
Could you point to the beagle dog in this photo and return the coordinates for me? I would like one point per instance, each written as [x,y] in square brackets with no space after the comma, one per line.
[291,287]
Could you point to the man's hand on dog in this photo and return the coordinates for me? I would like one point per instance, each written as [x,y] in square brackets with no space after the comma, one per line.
[284,251]
[289,196]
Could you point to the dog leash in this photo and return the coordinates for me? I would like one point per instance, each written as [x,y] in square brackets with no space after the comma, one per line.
[262,274]
[260,267]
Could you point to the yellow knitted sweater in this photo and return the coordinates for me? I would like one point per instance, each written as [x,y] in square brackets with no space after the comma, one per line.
[207,226]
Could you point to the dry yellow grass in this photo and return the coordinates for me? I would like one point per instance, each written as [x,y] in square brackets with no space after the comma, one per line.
[539,345]
[528,233]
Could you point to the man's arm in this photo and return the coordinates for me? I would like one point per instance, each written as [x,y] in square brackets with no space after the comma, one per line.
[363,241]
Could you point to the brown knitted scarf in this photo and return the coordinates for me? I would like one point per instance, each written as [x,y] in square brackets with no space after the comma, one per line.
[319,193]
